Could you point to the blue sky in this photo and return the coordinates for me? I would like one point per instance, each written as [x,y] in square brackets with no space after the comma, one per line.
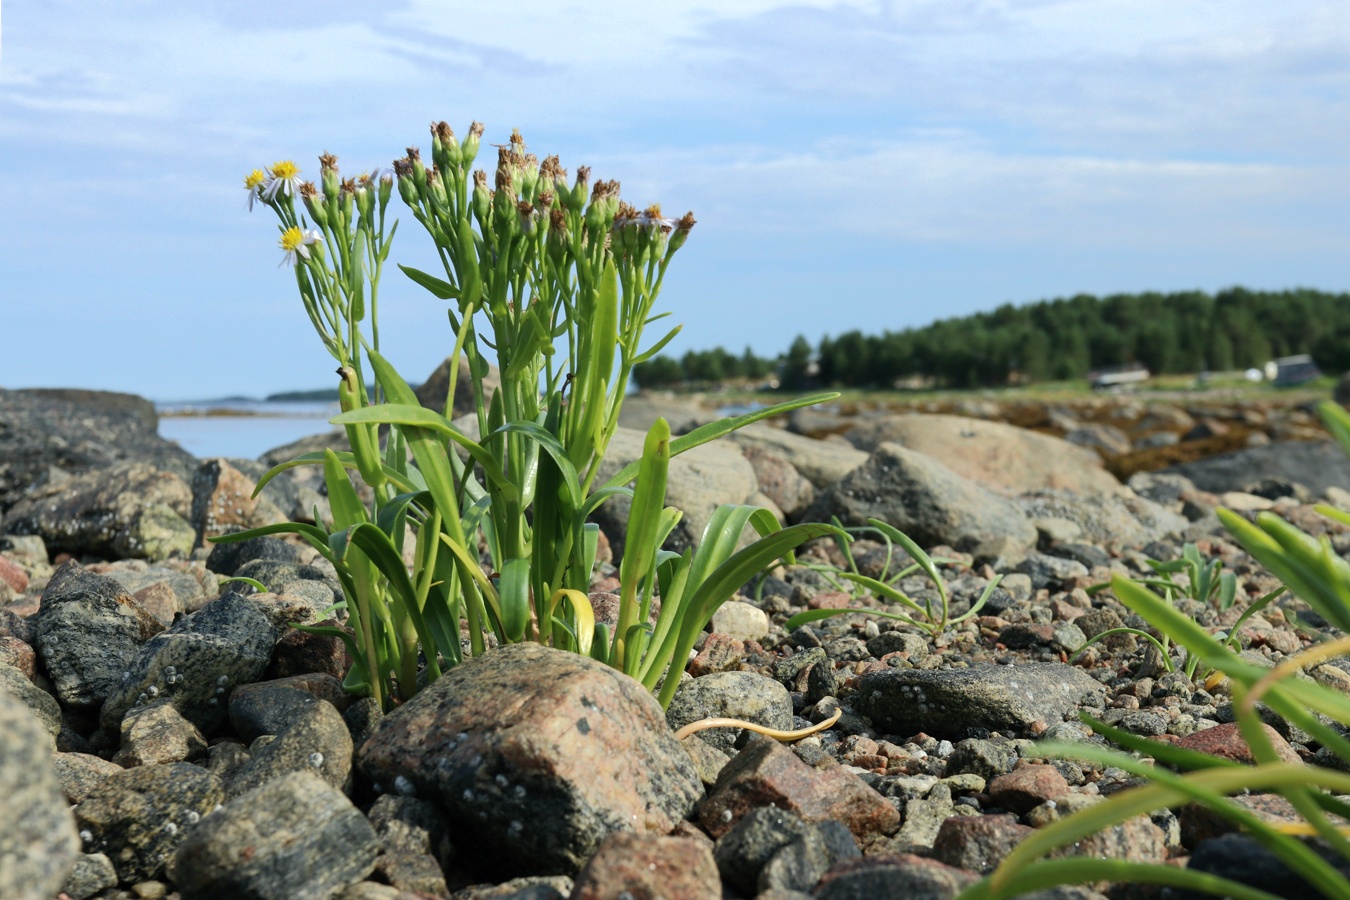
[851,165]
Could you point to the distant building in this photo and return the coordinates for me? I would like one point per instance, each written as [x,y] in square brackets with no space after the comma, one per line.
[1288,371]
[1118,376]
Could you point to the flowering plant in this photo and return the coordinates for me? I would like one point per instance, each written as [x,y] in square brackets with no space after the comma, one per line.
[558,281]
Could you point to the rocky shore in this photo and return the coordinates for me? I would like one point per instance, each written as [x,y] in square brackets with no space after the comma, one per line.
[162,735]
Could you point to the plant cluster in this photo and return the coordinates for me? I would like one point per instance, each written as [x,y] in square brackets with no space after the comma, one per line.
[554,279]
[1205,583]
[1310,848]
[926,616]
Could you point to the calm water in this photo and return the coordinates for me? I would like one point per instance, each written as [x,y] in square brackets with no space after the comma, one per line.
[254,428]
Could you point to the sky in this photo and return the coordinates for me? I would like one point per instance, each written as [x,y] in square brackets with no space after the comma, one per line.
[852,165]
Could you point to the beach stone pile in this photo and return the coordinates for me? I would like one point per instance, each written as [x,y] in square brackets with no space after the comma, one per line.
[166,735]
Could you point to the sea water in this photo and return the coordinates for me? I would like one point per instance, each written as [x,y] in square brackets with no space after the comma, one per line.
[242,428]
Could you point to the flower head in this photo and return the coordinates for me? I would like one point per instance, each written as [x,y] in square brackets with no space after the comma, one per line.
[295,240]
[253,182]
[283,176]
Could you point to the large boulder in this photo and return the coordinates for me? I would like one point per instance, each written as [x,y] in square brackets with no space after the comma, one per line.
[73,431]
[684,414]
[431,393]
[1123,520]
[821,462]
[1000,457]
[699,481]
[38,843]
[509,745]
[126,510]
[1317,465]
[928,502]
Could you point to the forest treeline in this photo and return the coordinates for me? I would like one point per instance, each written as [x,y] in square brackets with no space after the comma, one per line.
[1051,340]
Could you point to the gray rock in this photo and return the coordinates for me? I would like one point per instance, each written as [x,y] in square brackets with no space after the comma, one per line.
[41,704]
[294,838]
[1121,519]
[317,743]
[38,843]
[821,462]
[128,510]
[138,817]
[900,877]
[226,559]
[93,872]
[295,501]
[734,695]
[157,733]
[641,411]
[73,431]
[1089,555]
[189,583]
[289,578]
[406,825]
[223,501]
[1158,439]
[1163,488]
[698,482]
[780,481]
[914,646]
[509,744]
[1107,439]
[270,707]
[432,392]
[743,851]
[1002,458]
[799,865]
[985,757]
[197,662]
[1317,465]
[88,629]
[927,501]
[80,773]
[1050,571]
[948,703]
[1246,861]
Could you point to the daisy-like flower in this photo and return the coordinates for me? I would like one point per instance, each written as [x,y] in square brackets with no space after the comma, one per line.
[295,240]
[253,183]
[281,176]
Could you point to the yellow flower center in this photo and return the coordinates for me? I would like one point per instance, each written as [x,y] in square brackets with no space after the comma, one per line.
[292,238]
[285,170]
[253,179]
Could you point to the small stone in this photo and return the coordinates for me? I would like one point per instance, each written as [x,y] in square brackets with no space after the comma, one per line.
[649,866]
[741,620]
[1226,741]
[1027,786]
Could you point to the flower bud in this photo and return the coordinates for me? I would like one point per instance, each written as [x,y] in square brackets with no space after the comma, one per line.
[681,233]
[482,197]
[386,188]
[469,149]
[444,146]
[328,171]
[314,203]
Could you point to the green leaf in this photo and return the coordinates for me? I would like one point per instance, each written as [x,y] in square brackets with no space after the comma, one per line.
[347,507]
[442,289]
[425,419]
[713,430]
[346,457]
[914,550]
[513,592]
[554,448]
[1048,873]
[808,616]
[726,580]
